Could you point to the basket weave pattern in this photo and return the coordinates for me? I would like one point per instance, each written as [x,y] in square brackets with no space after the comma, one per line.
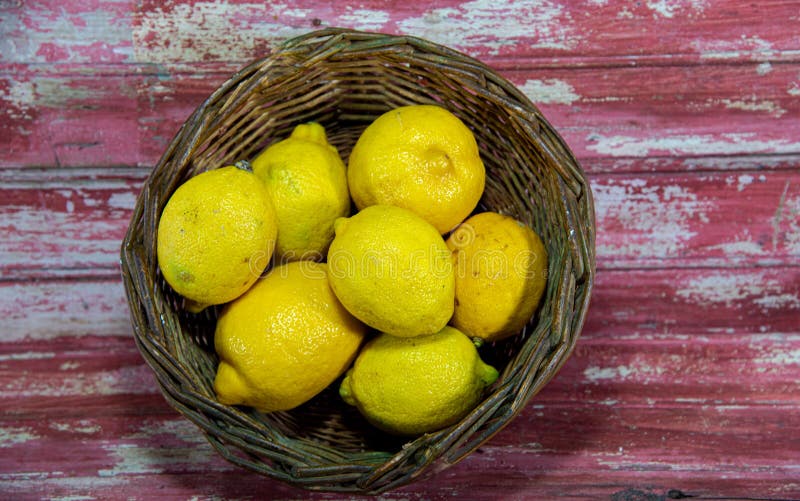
[344,80]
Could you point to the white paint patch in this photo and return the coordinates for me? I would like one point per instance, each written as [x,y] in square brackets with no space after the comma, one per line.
[664,8]
[728,288]
[723,144]
[131,458]
[657,220]
[218,31]
[794,90]
[10,436]
[744,180]
[764,68]
[668,8]
[42,311]
[84,426]
[621,372]
[767,106]
[28,355]
[135,380]
[549,91]
[754,48]
[74,32]
[496,24]
[364,19]
[122,200]
[68,366]
[597,3]
[739,248]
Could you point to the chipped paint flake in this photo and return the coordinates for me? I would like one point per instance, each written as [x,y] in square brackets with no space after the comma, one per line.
[550,91]
[496,24]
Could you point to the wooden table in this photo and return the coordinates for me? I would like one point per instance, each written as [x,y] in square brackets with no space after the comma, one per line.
[684,113]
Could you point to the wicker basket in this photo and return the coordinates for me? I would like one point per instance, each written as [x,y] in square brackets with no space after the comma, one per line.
[344,80]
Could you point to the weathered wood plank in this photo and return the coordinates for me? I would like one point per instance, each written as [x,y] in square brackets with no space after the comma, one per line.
[46,310]
[719,337]
[72,221]
[615,31]
[47,31]
[727,451]
[83,115]
[627,370]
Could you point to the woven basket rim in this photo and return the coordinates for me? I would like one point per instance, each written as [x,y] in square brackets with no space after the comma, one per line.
[320,466]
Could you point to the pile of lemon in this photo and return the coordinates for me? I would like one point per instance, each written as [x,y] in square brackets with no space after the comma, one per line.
[398,296]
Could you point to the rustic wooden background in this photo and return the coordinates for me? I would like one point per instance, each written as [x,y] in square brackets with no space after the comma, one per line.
[684,113]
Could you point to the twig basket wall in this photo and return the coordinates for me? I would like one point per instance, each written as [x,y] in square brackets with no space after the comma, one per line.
[344,80]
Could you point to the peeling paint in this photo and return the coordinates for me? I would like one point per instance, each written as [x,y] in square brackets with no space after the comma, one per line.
[215,31]
[754,47]
[764,68]
[42,36]
[134,380]
[656,221]
[496,24]
[549,91]
[679,144]
[84,426]
[725,288]
[744,180]
[621,372]
[752,104]
[12,435]
[364,19]
[668,8]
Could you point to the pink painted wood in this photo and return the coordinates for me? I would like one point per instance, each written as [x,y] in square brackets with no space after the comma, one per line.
[685,114]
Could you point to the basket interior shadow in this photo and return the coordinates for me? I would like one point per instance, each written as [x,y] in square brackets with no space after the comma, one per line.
[344,80]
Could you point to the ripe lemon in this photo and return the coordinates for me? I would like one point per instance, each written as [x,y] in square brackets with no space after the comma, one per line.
[216,236]
[422,158]
[501,273]
[284,340]
[392,270]
[306,178]
[410,386]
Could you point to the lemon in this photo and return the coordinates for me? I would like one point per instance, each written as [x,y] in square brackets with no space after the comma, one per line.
[501,273]
[410,386]
[285,340]
[422,158]
[216,235]
[306,178]
[392,270]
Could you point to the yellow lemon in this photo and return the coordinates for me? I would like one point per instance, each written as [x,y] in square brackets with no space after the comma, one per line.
[410,386]
[393,271]
[306,178]
[284,340]
[216,235]
[422,158]
[501,273]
